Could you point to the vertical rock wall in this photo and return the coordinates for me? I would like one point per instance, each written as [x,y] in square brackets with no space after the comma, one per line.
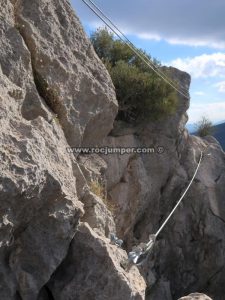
[55,93]
[189,253]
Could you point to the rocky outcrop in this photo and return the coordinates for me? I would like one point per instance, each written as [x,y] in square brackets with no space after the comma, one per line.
[92,270]
[54,91]
[68,74]
[196,296]
[188,255]
[39,206]
[135,182]
[54,224]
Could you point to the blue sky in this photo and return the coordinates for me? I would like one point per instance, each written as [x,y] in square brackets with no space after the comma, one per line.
[187,34]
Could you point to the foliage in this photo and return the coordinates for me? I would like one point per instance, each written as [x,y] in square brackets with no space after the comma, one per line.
[204,127]
[140,92]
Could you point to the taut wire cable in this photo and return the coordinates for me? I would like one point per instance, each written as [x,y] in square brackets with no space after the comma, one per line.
[98,12]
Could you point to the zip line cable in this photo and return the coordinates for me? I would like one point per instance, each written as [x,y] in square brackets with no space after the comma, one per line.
[132,45]
[185,192]
[142,56]
[93,7]
[139,254]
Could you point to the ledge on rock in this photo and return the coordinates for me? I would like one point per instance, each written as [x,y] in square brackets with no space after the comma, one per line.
[195,296]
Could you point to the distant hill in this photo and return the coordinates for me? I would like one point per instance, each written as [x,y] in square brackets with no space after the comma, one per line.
[219,134]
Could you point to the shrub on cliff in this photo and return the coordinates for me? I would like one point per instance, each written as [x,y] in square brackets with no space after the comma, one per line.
[204,127]
[142,95]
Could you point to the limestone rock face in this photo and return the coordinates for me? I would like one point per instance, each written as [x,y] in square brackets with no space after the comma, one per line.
[135,182]
[189,253]
[67,72]
[92,270]
[54,223]
[39,209]
[53,92]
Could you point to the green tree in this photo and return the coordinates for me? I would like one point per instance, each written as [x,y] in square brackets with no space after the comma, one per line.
[204,127]
[140,92]
[102,41]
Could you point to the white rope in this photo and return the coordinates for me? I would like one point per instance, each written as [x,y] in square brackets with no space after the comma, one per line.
[140,253]
[143,57]
[181,198]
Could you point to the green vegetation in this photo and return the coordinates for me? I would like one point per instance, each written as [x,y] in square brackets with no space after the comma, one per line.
[204,127]
[142,95]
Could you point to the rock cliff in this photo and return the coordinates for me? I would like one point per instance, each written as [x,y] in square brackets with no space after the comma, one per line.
[54,225]
[54,92]
[189,253]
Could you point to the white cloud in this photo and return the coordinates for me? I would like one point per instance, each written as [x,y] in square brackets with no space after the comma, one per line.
[203,66]
[149,36]
[199,93]
[189,22]
[214,111]
[221,86]
[196,42]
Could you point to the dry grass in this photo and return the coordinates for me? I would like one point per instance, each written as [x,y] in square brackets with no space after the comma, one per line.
[98,189]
